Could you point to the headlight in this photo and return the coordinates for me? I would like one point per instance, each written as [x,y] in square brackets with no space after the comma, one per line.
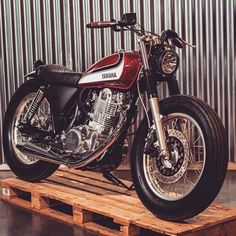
[168,62]
[163,62]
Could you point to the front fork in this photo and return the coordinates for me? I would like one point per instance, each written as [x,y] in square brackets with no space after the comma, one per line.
[157,118]
[154,103]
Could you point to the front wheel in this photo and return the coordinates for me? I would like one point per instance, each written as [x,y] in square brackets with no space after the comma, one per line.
[182,186]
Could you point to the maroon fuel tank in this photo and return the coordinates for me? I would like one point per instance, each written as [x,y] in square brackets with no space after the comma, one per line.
[118,71]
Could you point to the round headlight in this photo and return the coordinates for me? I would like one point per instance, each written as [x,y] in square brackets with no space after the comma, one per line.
[168,62]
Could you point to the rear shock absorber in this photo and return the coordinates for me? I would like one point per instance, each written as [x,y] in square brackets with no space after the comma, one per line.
[35,104]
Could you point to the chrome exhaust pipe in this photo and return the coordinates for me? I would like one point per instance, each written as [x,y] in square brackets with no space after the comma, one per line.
[67,159]
[39,153]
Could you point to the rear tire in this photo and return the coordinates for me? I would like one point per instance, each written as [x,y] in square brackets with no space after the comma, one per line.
[214,167]
[32,171]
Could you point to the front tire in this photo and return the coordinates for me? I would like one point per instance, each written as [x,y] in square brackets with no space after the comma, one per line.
[195,173]
[24,167]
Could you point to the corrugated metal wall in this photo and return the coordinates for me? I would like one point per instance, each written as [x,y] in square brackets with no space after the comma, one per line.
[54,31]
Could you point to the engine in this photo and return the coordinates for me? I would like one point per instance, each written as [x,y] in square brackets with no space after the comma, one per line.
[107,107]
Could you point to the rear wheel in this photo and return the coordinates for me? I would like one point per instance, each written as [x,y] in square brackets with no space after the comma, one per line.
[25,167]
[185,184]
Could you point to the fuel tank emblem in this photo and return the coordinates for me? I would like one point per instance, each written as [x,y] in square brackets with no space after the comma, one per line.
[109,75]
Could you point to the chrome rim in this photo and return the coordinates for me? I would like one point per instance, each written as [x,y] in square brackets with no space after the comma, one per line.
[175,178]
[41,119]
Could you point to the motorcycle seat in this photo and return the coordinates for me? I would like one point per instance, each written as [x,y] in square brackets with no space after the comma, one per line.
[58,74]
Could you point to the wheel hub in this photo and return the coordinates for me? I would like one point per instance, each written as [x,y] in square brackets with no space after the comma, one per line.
[171,169]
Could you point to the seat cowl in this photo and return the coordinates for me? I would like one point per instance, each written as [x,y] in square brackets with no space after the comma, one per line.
[58,74]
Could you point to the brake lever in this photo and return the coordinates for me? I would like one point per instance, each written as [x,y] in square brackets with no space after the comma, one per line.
[186,43]
[115,28]
[119,29]
[170,34]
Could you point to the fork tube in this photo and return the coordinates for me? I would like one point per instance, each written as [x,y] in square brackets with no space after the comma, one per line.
[156,115]
[153,101]
[151,86]
[144,55]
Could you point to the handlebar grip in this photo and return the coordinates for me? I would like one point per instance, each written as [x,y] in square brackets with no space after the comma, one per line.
[101,24]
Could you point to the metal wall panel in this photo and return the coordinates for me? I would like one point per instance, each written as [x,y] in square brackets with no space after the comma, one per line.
[54,31]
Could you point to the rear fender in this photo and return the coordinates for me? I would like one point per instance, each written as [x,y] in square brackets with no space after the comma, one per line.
[31,74]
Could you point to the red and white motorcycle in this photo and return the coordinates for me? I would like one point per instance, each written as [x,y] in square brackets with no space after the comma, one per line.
[179,153]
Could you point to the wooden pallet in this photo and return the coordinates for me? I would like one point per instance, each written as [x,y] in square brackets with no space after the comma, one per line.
[89,200]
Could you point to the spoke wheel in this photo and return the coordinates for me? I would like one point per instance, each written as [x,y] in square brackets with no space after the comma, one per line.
[183,185]
[175,178]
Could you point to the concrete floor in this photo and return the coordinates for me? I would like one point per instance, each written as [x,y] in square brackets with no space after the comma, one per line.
[17,221]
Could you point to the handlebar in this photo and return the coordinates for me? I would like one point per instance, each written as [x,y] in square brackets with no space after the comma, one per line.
[127,19]
[128,22]
[101,24]
[174,37]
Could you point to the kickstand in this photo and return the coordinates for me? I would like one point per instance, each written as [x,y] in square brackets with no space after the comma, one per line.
[109,176]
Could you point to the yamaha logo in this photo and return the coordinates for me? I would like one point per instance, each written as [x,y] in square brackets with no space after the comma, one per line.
[109,76]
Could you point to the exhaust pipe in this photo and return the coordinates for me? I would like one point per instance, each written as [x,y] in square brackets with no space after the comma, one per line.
[40,153]
[67,159]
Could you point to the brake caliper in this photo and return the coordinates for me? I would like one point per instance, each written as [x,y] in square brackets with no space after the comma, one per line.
[151,147]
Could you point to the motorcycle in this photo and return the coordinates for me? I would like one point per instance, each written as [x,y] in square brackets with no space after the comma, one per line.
[179,153]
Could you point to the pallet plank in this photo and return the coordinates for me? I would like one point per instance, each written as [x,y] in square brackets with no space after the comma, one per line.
[86,181]
[118,200]
[57,215]
[92,175]
[102,193]
[100,229]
